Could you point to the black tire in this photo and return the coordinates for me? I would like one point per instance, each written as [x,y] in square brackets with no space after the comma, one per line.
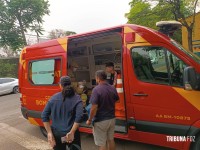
[196,145]
[44,132]
[16,90]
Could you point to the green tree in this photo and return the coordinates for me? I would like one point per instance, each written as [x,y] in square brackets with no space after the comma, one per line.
[19,16]
[143,13]
[8,67]
[182,9]
[147,13]
[140,13]
[10,37]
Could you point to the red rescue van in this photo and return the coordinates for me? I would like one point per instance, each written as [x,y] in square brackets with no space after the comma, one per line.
[158,82]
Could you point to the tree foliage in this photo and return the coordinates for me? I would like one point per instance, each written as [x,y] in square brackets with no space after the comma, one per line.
[57,33]
[19,16]
[147,13]
[9,67]
[140,13]
[181,10]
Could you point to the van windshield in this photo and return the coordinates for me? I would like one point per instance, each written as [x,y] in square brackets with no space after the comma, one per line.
[190,54]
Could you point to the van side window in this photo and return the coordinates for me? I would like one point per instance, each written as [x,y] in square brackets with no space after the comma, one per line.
[176,69]
[45,72]
[157,65]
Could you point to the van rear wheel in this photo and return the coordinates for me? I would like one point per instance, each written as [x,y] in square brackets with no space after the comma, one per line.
[44,132]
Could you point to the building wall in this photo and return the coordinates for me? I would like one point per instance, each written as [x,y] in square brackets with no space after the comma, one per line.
[196,34]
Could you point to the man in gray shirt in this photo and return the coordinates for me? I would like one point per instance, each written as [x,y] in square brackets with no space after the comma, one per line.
[102,112]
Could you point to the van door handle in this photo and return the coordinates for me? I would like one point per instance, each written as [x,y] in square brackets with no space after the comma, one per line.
[140,94]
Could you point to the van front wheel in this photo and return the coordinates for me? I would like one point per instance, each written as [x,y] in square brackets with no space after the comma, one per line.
[43,130]
[196,145]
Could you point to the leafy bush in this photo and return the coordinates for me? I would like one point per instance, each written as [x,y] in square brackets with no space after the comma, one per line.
[9,67]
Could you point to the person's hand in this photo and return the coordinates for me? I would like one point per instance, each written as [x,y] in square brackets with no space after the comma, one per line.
[51,139]
[70,137]
[88,122]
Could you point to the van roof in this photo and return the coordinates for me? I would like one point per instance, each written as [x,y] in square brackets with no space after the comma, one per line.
[93,34]
[97,31]
[54,41]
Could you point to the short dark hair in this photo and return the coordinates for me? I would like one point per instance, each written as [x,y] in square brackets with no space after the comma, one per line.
[109,64]
[65,81]
[101,75]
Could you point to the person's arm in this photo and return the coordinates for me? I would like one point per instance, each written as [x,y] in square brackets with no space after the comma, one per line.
[50,136]
[47,127]
[116,96]
[93,112]
[115,79]
[45,119]
[78,119]
[70,135]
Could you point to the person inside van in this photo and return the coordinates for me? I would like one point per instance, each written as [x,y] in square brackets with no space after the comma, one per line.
[71,70]
[111,74]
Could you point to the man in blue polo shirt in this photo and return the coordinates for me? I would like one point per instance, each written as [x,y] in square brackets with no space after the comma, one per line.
[102,112]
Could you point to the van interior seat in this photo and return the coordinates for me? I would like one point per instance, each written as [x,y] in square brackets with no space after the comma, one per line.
[142,68]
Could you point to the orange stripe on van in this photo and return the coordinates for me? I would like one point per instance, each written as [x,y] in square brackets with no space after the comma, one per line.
[139,40]
[191,96]
[21,59]
[63,43]
[33,121]
[128,30]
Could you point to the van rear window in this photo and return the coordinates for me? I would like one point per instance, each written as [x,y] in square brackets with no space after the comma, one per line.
[45,72]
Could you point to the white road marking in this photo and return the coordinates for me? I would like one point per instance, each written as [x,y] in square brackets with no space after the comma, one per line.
[23,139]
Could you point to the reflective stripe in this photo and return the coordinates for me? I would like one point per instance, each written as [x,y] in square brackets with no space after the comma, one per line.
[119,81]
[119,90]
[32,121]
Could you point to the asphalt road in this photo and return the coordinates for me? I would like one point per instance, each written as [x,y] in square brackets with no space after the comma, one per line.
[17,134]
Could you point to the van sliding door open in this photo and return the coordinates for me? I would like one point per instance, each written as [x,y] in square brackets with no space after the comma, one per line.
[86,55]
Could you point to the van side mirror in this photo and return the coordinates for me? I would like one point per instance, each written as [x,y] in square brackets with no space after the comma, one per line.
[190,80]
